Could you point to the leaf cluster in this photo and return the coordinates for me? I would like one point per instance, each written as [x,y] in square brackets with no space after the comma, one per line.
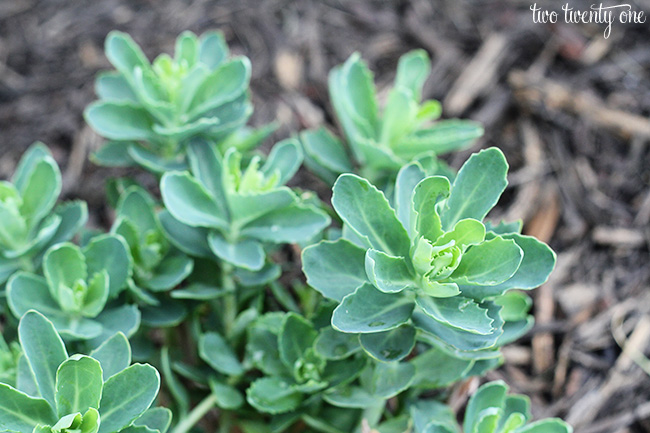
[409,289]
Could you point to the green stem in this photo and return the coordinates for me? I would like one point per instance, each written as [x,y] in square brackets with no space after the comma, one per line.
[225,422]
[229,298]
[196,414]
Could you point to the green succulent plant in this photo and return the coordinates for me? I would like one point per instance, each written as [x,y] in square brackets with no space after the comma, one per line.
[225,211]
[382,142]
[9,356]
[100,393]
[158,266]
[489,410]
[415,290]
[149,110]
[429,262]
[31,222]
[76,288]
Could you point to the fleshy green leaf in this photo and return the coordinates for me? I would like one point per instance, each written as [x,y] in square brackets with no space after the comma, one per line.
[110,253]
[78,385]
[64,265]
[325,154]
[552,425]
[225,84]
[227,397]
[477,188]
[295,223]
[488,263]
[124,319]
[332,344]
[537,263]
[212,50]
[296,336]
[391,378]
[424,217]
[352,397]
[40,190]
[120,120]
[30,292]
[246,253]
[387,273]
[114,86]
[44,350]
[127,395]
[124,53]
[367,212]
[389,346]
[457,312]
[190,240]
[436,368]
[214,350]
[21,413]
[206,165]
[272,395]
[335,269]
[368,310]
[155,418]
[412,71]
[166,314]
[490,395]
[442,137]
[352,92]
[407,179]
[189,202]
[285,159]
[114,355]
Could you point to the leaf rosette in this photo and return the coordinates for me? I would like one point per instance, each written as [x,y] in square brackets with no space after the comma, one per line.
[224,211]
[298,362]
[30,221]
[76,287]
[158,266]
[428,261]
[100,393]
[149,110]
[381,143]
[489,410]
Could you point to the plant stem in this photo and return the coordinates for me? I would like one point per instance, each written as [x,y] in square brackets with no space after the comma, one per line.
[225,422]
[229,298]
[196,414]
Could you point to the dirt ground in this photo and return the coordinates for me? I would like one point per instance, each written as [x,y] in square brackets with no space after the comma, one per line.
[569,108]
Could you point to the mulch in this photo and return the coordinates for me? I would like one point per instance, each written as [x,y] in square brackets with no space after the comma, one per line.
[569,108]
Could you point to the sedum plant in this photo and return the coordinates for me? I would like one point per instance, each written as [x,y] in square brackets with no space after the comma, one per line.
[381,142]
[489,410]
[75,288]
[414,293]
[229,212]
[100,393]
[158,266]
[429,261]
[30,221]
[149,110]
[9,356]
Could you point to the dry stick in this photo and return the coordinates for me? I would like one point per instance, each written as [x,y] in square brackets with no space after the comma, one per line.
[621,376]
[527,199]
[615,423]
[543,93]
[480,74]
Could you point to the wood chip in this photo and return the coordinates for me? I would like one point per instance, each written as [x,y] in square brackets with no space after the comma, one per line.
[618,237]
[537,93]
[478,75]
